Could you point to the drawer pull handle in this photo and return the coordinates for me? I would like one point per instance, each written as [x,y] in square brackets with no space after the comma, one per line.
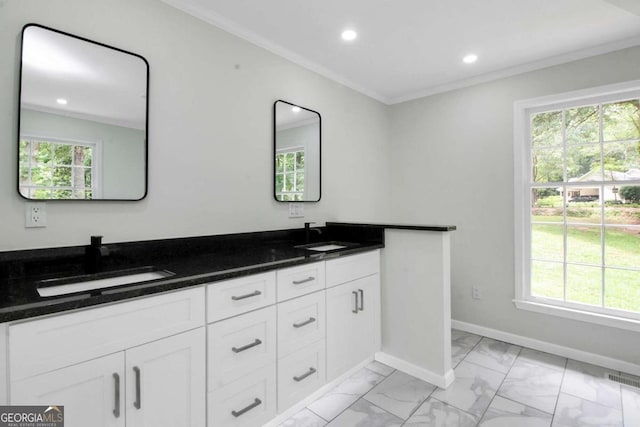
[137,403]
[116,407]
[246,347]
[255,403]
[356,302]
[305,375]
[306,322]
[361,308]
[300,282]
[252,294]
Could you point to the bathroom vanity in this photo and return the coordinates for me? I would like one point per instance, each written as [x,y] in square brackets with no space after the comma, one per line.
[245,329]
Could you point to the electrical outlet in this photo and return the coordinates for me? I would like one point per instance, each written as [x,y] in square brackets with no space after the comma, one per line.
[475,293]
[296,210]
[35,215]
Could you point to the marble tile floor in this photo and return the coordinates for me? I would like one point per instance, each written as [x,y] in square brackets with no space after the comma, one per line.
[497,385]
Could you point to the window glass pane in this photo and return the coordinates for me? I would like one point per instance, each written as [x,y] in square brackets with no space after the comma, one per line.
[584,284]
[583,163]
[24,151]
[41,193]
[87,178]
[547,242]
[546,165]
[288,182]
[622,204]
[279,163]
[584,245]
[62,154]
[62,194]
[622,289]
[62,176]
[546,129]
[41,175]
[300,181]
[622,246]
[547,279]
[584,207]
[621,161]
[300,159]
[279,183]
[582,125]
[546,205]
[42,152]
[289,162]
[621,121]
[630,196]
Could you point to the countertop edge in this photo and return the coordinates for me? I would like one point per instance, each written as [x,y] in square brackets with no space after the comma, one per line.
[440,228]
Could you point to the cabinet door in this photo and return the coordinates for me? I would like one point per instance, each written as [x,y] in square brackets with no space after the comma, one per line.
[353,324]
[92,392]
[166,382]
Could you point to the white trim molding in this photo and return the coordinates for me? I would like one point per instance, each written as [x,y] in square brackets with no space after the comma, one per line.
[547,347]
[442,381]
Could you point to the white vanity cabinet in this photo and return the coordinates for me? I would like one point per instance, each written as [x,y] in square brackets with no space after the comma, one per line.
[138,363]
[353,311]
[241,386]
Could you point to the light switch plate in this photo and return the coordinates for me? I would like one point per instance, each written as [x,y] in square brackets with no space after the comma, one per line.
[296,210]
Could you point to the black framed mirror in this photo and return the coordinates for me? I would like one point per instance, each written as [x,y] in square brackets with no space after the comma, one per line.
[297,135]
[83,119]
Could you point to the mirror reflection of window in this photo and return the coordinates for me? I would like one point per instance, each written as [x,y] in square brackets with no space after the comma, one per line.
[83,119]
[297,134]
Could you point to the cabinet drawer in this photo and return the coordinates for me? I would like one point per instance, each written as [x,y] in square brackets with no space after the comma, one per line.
[237,296]
[249,401]
[348,268]
[301,321]
[54,342]
[296,281]
[240,345]
[300,374]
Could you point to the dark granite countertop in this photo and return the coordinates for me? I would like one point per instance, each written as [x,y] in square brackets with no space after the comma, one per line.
[441,228]
[194,261]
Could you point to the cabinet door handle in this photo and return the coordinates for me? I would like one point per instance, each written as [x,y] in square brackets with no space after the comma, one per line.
[246,347]
[300,282]
[116,406]
[252,294]
[255,403]
[361,292]
[356,302]
[306,322]
[137,403]
[305,375]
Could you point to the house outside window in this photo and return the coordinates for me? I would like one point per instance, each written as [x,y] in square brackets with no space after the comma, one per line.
[57,169]
[290,174]
[577,205]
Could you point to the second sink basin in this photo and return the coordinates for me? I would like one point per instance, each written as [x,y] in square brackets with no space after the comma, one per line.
[327,246]
[90,282]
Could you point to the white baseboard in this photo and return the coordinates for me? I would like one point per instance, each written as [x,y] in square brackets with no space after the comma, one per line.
[442,381]
[560,350]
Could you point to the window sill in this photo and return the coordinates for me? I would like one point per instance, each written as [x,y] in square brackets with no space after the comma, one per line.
[580,315]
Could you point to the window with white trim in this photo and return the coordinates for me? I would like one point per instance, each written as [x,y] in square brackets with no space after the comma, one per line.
[56,169]
[290,174]
[577,193]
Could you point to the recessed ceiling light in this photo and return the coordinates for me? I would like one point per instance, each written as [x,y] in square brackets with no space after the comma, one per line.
[470,58]
[61,101]
[295,109]
[349,35]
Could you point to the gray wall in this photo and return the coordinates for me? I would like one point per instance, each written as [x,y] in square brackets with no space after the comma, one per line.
[122,149]
[210,131]
[452,163]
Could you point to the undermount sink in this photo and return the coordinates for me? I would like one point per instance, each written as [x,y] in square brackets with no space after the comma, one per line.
[327,246]
[90,282]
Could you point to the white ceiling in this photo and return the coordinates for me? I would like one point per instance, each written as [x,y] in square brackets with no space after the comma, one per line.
[411,48]
[99,83]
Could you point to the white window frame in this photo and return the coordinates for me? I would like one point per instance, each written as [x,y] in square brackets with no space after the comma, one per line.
[295,172]
[96,158]
[522,207]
